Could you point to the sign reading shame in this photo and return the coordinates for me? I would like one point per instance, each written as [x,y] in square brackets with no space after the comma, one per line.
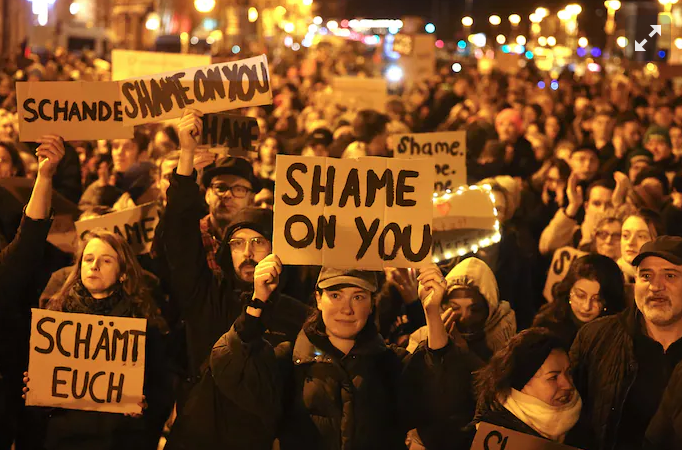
[136,225]
[448,150]
[365,213]
[561,262]
[229,131]
[85,361]
[134,63]
[74,110]
[214,88]
[492,437]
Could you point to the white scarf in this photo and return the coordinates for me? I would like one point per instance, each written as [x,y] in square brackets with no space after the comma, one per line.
[552,422]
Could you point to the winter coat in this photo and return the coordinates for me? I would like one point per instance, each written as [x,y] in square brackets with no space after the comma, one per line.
[665,429]
[559,320]
[208,304]
[312,396]
[17,261]
[501,323]
[605,369]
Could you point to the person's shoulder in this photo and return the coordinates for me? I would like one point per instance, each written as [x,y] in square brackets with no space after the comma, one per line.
[602,329]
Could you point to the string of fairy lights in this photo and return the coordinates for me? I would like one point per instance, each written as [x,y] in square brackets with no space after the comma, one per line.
[495,235]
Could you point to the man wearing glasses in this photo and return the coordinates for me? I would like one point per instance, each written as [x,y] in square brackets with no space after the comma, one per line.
[624,362]
[209,300]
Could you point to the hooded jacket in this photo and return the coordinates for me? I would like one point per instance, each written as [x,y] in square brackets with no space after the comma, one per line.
[501,323]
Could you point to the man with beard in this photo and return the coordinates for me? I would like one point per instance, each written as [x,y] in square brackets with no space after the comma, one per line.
[623,363]
[209,300]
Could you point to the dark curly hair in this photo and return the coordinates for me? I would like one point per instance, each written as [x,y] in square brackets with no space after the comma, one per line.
[493,383]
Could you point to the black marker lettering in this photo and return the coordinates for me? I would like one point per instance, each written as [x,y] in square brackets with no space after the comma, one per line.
[293,201]
[395,228]
[60,328]
[326,231]
[374,183]
[48,336]
[56,382]
[407,244]
[92,387]
[318,188]
[367,235]
[115,388]
[27,106]
[309,236]
[352,188]
[126,90]
[74,381]
[403,188]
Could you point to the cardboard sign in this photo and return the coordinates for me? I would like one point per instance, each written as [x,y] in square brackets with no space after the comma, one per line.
[403,44]
[360,93]
[214,88]
[229,131]
[492,437]
[133,64]
[85,361]
[136,225]
[421,63]
[462,220]
[365,213]
[561,262]
[447,149]
[74,110]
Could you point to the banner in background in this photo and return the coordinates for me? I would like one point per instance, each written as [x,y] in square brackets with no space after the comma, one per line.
[134,64]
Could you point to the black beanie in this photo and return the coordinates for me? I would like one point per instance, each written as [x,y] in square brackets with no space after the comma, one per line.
[256,219]
[533,347]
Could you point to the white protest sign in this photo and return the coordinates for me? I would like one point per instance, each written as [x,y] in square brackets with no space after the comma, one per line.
[448,150]
[360,93]
[462,220]
[420,64]
[85,361]
[561,262]
[136,225]
[132,63]
[74,110]
[493,437]
[365,213]
[209,89]
[229,131]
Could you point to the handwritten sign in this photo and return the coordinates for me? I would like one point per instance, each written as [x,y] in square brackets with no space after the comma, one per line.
[85,361]
[136,225]
[229,131]
[420,64]
[364,213]
[133,64]
[360,93]
[74,110]
[461,220]
[561,262]
[492,437]
[447,149]
[214,88]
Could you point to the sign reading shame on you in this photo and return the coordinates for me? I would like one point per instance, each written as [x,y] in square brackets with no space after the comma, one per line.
[85,361]
[74,110]
[448,150]
[214,88]
[365,213]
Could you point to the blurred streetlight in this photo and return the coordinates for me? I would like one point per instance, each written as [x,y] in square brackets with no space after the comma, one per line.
[307,2]
[430,28]
[494,19]
[332,25]
[280,10]
[317,20]
[515,19]
[583,42]
[563,15]
[501,39]
[74,8]
[521,39]
[289,27]
[467,21]
[678,43]
[204,6]
[542,41]
[574,9]
[668,4]
[612,4]
[253,14]
[542,12]
[534,18]
[153,21]
[551,41]
[622,41]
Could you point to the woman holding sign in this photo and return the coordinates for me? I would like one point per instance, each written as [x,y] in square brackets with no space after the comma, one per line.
[107,281]
[527,387]
[338,386]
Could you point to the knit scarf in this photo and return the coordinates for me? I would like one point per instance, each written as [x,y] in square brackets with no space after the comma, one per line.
[552,422]
[79,300]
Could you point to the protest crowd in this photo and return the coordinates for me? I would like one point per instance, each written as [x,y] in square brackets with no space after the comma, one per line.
[568,328]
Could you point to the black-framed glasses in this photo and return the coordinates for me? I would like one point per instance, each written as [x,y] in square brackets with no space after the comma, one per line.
[257,244]
[237,190]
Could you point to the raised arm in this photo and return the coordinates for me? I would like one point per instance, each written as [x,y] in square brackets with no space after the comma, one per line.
[19,259]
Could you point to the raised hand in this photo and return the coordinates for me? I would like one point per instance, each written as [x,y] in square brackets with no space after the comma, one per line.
[190,129]
[49,153]
[405,280]
[575,195]
[266,277]
[432,287]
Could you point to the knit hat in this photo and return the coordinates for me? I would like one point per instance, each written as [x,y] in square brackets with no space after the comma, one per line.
[656,131]
[639,155]
[231,165]
[512,116]
[531,349]
[256,219]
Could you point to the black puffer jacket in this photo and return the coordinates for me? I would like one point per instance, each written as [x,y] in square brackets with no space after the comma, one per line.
[312,396]
[604,371]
